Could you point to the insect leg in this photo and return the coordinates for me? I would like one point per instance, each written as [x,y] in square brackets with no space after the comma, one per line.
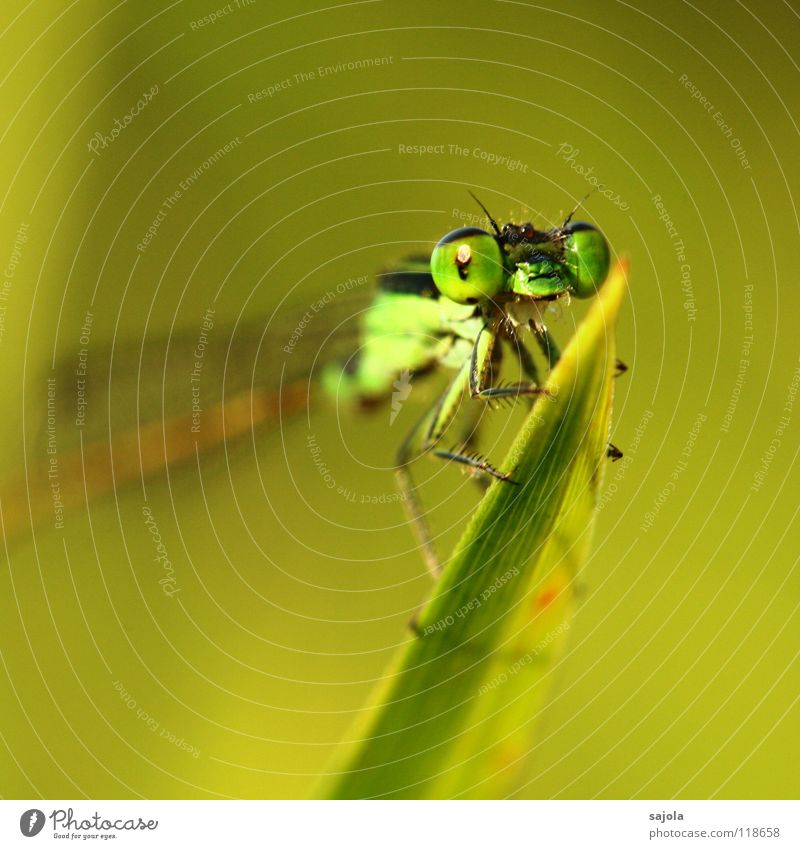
[477,371]
[469,442]
[470,428]
[526,361]
[548,345]
[474,461]
[480,372]
[424,436]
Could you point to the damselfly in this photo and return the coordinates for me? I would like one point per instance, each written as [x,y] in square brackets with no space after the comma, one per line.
[461,308]
[457,309]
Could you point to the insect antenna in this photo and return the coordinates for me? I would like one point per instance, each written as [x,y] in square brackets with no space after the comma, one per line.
[578,206]
[486,213]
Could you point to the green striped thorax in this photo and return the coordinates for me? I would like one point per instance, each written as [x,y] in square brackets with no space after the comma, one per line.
[470,265]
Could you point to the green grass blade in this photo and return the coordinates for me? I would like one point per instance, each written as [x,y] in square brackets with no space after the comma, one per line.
[456,712]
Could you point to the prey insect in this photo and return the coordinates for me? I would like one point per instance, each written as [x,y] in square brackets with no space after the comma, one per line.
[461,309]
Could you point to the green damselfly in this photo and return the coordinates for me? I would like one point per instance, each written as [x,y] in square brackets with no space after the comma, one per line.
[458,309]
[461,308]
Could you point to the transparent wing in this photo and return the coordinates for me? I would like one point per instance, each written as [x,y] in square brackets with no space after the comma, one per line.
[124,412]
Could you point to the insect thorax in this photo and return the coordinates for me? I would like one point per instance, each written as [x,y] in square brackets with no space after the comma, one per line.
[526,312]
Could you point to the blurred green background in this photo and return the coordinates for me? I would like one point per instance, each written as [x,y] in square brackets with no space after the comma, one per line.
[274,161]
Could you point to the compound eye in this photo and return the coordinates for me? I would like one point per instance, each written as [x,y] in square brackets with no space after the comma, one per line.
[587,256]
[467,266]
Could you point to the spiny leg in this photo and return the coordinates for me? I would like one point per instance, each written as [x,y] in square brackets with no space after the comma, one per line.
[474,413]
[470,429]
[412,502]
[551,350]
[433,425]
[526,361]
[474,461]
[467,454]
[475,372]
[430,429]
[473,417]
[480,372]
[422,438]
[547,344]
